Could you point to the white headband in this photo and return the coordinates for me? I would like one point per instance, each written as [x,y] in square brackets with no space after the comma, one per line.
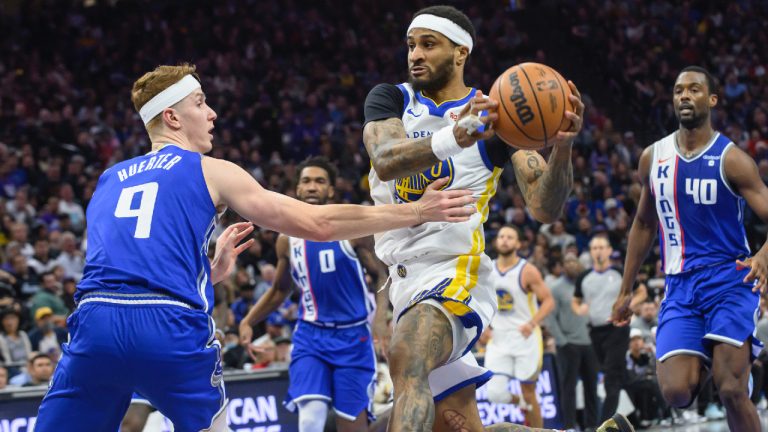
[168,97]
[448,28]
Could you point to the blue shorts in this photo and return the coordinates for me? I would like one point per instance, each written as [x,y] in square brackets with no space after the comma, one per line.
[335,365]
[706,306]
[166,353]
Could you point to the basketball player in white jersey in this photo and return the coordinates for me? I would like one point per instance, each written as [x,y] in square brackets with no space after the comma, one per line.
[440,291]
[516,349]
[695,184]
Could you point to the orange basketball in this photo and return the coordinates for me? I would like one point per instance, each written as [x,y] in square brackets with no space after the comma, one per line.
[532,101]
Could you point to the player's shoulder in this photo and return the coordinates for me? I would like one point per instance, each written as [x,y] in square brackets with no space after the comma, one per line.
[387,91]
[384,101]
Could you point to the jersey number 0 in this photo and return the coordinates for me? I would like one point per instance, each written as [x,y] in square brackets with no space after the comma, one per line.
[143,214]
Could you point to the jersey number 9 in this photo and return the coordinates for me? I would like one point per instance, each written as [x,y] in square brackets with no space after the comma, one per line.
[143,214]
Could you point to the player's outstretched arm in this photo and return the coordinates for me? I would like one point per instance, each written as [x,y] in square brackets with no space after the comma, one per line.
[743,175]
[394,155]
[227,250]
[230,185]
[547,185]
[641,237]
[273,298]
[533,282]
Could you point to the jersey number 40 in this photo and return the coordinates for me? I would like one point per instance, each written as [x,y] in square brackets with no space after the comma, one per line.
[144,212]
[703,191]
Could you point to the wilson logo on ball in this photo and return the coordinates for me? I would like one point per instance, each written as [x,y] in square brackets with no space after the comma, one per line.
[522,109]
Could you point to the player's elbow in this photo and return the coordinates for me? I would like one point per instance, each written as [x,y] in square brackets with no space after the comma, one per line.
[546,216]
[322,231]
[384,170]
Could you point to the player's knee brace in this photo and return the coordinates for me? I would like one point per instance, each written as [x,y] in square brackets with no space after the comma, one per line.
[498,391]
[312,415]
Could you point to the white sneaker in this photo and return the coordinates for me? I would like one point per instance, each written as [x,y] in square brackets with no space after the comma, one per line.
[763,404]
[693,417]
[713,412]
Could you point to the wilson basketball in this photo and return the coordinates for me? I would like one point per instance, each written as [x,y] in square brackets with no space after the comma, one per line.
[532,101]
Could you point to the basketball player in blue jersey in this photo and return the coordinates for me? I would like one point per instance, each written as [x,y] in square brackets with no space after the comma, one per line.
[332,360]
[143,321]
[226,252]
[695,184]
[429,128]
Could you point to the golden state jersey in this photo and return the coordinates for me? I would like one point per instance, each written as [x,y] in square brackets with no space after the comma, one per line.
[471,169]
[516,305]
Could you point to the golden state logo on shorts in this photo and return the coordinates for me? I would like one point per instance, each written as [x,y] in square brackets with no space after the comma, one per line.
[505,300]
[410,189]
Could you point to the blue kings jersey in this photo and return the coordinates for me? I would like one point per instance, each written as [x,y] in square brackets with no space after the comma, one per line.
[149,224]
[701,218]
[331,280]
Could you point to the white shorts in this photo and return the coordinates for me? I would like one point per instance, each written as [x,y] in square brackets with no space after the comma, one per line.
[460,288]
[516,358]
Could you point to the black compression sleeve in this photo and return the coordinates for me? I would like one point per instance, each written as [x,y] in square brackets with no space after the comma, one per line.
[498,151]
[383,101]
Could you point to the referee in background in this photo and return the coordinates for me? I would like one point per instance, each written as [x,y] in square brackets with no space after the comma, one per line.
[595,293]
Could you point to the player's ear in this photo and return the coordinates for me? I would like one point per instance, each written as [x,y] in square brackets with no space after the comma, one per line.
[713,100]
[460,55]
[171,118]
[331,192]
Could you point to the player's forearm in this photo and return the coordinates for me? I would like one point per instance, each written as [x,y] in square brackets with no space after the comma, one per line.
[641,237]
[267,304]
[546,188]
[344,221]
[547,306]
[398,158]
[556,183]
[638,297]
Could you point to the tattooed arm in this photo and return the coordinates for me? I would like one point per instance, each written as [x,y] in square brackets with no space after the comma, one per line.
[546,186]
[394,155]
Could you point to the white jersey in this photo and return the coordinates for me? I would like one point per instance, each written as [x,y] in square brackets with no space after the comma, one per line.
[516,305]
[471,169]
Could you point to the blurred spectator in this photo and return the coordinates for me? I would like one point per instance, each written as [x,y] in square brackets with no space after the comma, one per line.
[68,206]
[27,279]
[576,358]
[268,273]
[232,353]
[20,239]
[283,350]
[70,258]
[242,305]
[40,369]
[20,209]
[15,345]
[48,296]
[3,378]
[642,383]
[595,293]
[646,320]
[46,337]
[42,261]
[557,236]
[69,286]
